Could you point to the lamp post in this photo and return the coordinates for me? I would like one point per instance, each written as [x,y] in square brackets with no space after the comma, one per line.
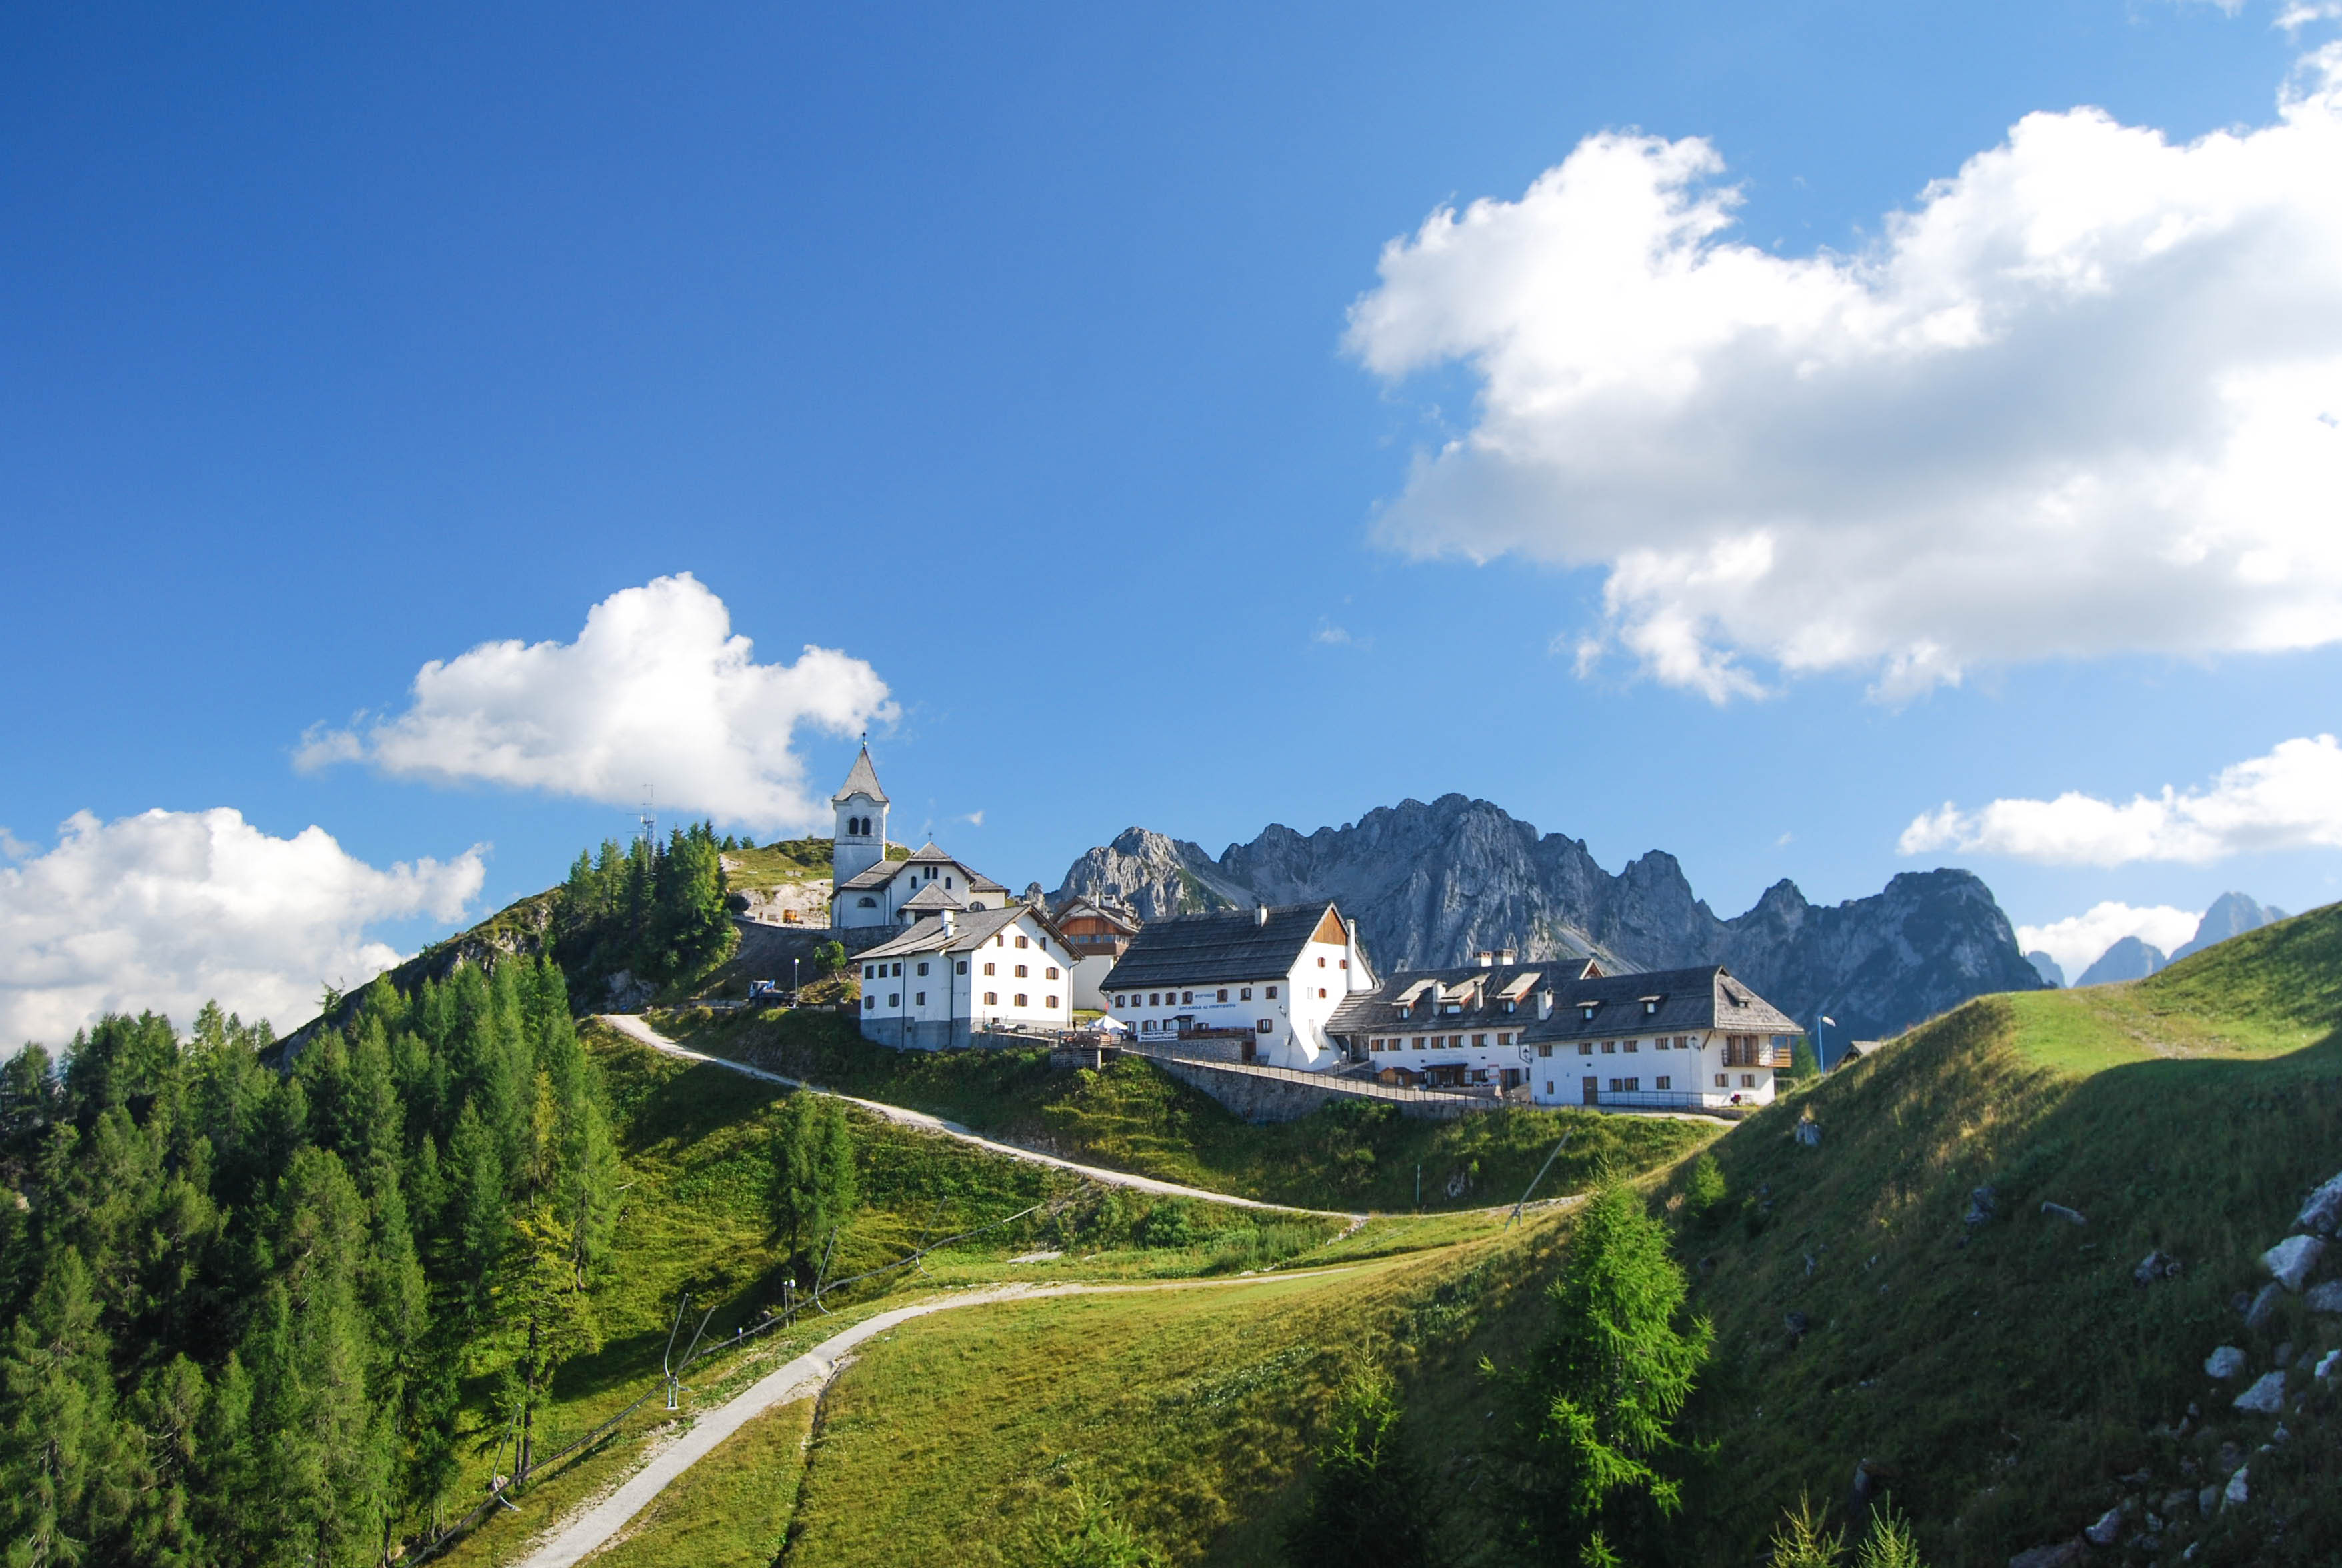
[793,980]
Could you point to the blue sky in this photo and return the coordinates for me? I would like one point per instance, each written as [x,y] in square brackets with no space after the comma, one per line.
[1011,354]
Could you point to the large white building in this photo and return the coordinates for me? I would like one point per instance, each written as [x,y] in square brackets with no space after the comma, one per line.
[1250,984]
[1562,1032]
[867,889]
[953,974]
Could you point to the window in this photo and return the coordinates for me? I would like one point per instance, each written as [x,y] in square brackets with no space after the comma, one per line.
[1120,1001]
[1346,963]
[1244,995]
[1724,1080]
[1321,994]
[898,972]
[1020,999]
[948,884]
[1479,1042]
[869,971]
[1022,942]
[1264,1025]
[865,902]
[1050,972]
[1272,993]
[992,999]
[870,1004]
[923,969]
[1609,1047]
[919,1000]
[894,999]
[987,969]
[1224,994]
[1545,1050]
[1625,1085]
[1630,1047]
[1504,1039]
[1548,1085]
[1187,998]
[1153,1000]
[961,967]
[1663,1081]
[1650,1006]
[1586,1047]
[1052,1001]
[1748,1080]
[1020,972]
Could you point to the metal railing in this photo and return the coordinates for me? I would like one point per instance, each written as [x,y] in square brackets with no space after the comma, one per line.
[1334,1080]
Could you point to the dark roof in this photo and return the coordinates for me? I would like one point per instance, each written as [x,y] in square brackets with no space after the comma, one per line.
[1708,997]
[1206,949]
[973,928]
[1115,915]
[862,780]
[886,870]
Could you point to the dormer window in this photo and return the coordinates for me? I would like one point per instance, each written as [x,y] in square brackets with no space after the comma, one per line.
[1651,1005]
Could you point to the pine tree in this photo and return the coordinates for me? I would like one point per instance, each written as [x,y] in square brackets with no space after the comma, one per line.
[165,1419]
[1367,1499]
[1593,1406]
[814,1183]
[61,1487]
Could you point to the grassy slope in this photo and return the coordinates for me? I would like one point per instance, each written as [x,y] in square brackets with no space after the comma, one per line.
[1187,1412]
[2009,1376]
[1132,1116]
[694,1140]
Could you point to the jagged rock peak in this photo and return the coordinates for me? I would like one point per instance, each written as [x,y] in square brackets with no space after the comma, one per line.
[1430,884]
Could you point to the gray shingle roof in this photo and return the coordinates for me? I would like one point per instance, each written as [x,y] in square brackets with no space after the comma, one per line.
[970,929]
[1708,997]
[933,897]
[886,870]
[1208,949]
[862,780]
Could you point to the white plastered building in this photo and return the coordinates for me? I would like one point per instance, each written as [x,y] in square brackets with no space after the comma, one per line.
[953,975]
[1247,985]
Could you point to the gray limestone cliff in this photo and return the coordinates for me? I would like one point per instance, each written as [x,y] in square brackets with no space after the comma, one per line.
[2053,974]
[2129,959]
[2231,914]
[1431,885]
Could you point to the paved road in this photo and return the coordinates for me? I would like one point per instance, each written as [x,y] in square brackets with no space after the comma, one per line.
[588,1531]
[635,1028]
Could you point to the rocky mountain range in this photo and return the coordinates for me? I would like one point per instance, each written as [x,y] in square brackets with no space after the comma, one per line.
[1432,885]
[2133,958]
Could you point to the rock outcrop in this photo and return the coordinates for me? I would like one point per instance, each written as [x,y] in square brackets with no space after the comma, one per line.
[2129,959]
[1432,883]
[2231,914]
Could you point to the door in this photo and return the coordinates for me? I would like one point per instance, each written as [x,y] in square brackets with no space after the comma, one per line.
[1593,1091]
[1250,1052]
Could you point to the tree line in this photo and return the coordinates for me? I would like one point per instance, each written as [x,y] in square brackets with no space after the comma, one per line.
[654,911]
[262,1317]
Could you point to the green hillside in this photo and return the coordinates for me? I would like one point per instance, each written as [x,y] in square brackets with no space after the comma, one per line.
[1133,1117]
[2009,1373]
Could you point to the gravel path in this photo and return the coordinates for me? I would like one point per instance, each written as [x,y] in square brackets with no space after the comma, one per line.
[635,1028]
[588,1531]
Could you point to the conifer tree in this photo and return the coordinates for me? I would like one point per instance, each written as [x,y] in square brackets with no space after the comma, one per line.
[61,1449]
[1594,1406]
[815,1186]
[1367,1499]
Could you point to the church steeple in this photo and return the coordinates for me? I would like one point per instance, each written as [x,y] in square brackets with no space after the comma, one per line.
[860,840]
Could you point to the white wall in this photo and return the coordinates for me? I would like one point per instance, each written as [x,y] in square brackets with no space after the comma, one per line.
[956,984]
[1295,1016]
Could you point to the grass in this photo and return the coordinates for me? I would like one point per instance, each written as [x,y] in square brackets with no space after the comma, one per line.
[734,1507]
[787,862]
[2008,1374]
[1130,1116]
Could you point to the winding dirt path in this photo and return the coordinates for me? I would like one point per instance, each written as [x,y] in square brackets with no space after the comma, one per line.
[635,1028]
[586,1532]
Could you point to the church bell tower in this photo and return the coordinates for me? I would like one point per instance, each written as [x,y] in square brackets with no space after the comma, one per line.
[860,841]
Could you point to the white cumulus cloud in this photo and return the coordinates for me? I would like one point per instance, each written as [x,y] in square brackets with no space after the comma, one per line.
[656,693]
[170,909]
[2289,799]
[2079,941]
[2083,398]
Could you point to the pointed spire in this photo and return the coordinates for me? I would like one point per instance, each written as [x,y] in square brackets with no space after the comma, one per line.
[863,779]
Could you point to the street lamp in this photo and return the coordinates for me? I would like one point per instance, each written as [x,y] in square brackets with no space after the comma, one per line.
[793,980]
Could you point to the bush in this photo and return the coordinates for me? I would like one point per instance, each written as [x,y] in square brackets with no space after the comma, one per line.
[1369,1500]
[1706,1190]
[1168,1226]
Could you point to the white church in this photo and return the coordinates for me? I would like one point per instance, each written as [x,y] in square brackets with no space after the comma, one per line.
[867,889]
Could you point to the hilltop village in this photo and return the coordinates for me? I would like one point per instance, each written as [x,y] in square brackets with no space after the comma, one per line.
[947,957]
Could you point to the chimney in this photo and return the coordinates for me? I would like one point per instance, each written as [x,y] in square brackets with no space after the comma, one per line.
[1260,914]
[946,916]
[1506,955]
[1545,1003]
[1485,958]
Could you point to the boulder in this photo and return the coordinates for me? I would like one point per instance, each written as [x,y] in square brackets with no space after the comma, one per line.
[2267,1396]
[2263,1310]
[2107,1530]
[2325,1296]
[1796,1323]
[2321,1212]
[2329,1366]
[2060,1212]
[2157,1265]
[2207,1499]
[2060,1555]
[2225,1363]
[2292,1260]
[1810,1134]
[1983,1207]
[2238,1490]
